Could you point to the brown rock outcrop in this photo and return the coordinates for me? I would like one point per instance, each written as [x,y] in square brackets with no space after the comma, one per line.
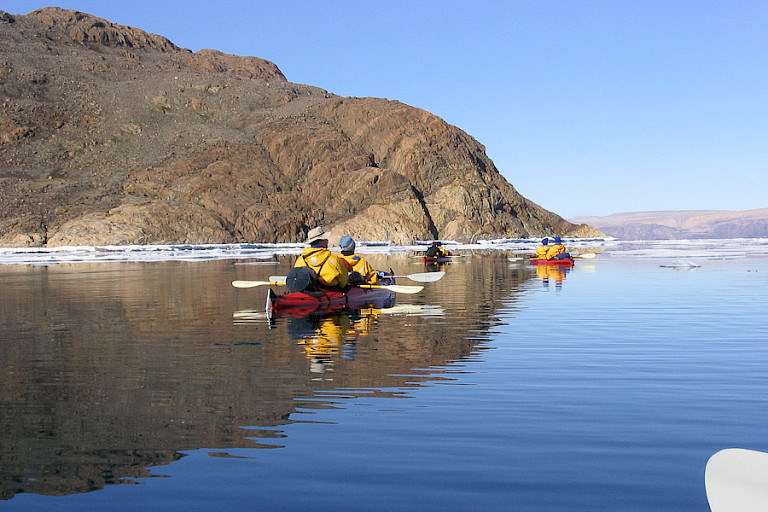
[111,135]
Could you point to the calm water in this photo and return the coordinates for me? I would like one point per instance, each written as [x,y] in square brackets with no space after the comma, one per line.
[131,386]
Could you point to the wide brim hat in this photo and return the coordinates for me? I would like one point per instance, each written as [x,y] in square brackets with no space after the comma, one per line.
[316,234]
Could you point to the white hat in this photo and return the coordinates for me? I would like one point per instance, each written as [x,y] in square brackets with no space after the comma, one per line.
[315,234]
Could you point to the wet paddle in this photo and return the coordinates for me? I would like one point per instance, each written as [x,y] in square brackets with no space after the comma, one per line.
[422,277]
[425,277]
[251,284]
[392,287]
[736,480]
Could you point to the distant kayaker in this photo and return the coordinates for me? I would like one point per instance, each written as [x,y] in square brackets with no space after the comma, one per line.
[436,250]
[356,263]
[331,271]
[557,251]
[541,252]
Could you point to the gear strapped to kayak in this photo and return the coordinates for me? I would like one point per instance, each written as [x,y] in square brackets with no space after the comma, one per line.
[300,279]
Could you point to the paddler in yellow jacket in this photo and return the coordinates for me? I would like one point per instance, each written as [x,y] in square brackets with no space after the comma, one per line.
[331,271]
[541,252]
[557,251]
[356,263]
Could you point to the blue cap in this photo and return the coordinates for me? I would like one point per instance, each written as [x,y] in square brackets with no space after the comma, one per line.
[545,241]
[347,243]
[557,239]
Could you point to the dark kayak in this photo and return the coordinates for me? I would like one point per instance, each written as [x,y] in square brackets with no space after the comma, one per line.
[565,262]
[298,304]
[437,259]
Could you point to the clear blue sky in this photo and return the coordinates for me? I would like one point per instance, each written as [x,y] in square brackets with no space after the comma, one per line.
[586,107]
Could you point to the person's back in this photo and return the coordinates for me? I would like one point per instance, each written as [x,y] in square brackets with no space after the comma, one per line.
[355,262]
[436,251]
[541,252]
[331,272]
[557,251]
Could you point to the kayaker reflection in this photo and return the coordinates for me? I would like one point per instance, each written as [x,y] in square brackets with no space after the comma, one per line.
[360,271]
[551,274]
[330,271]
[552,252]
[325,337]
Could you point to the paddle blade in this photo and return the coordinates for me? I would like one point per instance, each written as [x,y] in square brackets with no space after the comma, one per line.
[425,277]
[395,287]
[737,480]
[586,255]
[251,284]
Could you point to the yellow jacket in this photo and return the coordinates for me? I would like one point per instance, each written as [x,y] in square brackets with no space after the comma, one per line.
[357,263]
[330,270]
[554,250]
[541,252]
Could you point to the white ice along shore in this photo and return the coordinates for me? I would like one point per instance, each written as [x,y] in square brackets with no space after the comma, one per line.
[685,250]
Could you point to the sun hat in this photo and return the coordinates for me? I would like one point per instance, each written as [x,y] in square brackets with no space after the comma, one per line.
[315,234]
[347,244]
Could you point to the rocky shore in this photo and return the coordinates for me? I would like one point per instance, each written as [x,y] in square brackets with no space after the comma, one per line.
[112,136]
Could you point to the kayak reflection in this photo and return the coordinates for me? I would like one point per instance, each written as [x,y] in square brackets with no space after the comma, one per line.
[552,274]
[324,337]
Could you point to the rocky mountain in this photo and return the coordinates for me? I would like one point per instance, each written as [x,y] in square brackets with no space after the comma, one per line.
[111,135]
[684,224]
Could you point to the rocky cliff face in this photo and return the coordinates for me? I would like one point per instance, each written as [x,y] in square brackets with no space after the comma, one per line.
[111,135]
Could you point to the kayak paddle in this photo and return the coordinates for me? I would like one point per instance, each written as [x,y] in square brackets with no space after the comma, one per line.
[393,287]
[422,277]
[251,284]
[737,480]
[425,277]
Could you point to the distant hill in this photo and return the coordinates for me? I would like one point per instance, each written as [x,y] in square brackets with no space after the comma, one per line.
[110,135]
[682,224]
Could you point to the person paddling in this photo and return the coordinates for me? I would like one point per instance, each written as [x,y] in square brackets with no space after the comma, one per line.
[360,270]
[557,251]
[330,271]
[436,250]
[541,252]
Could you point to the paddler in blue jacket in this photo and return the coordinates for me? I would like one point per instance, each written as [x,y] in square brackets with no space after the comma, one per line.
[331,271]
[356,263]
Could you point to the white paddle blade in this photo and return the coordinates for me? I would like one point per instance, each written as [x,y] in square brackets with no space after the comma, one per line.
[398,288]
[251,284]
[426,277]
[586,255]
[736,480]
[422,277]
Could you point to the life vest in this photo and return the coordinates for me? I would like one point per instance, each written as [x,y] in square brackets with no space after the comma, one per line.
[358,264]
[329,269]
[555,250]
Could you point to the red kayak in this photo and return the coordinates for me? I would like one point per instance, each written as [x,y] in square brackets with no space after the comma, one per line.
[300,304]
[565,262]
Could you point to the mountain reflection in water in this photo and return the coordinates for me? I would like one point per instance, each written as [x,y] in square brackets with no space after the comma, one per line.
[111,368]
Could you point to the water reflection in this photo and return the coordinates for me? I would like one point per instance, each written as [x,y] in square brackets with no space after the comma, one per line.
[552,275]
[110,368]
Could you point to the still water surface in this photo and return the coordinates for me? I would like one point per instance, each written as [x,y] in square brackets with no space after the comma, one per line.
[131,386]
